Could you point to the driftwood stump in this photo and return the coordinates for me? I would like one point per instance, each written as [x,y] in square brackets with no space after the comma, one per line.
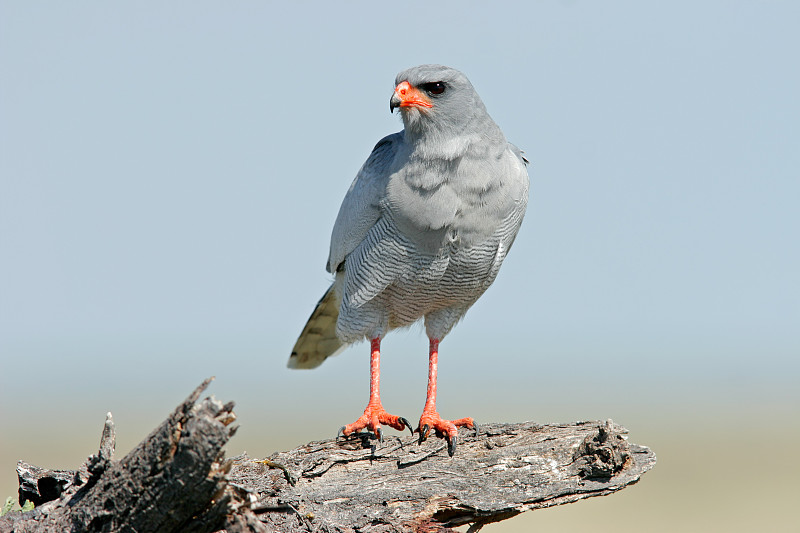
[178,480]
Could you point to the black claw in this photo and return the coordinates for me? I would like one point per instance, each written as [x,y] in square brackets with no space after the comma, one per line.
[424,431]
[379,434]
[340,433]
[451,445]
[407,424]
[475,427]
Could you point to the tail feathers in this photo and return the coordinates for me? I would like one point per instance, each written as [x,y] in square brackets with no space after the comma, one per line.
[318,341]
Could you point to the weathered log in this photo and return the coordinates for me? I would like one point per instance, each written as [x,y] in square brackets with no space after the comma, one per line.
[177,480]
[174,480]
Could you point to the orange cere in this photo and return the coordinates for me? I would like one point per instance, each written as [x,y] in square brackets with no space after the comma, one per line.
[411,96]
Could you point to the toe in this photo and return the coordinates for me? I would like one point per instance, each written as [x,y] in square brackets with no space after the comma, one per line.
[397,422]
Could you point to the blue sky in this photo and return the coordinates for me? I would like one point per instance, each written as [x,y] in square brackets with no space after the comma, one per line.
[170,174]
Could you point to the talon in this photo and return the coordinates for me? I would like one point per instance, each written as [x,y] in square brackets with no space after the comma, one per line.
[475,426]
[451,445]
[340,433]
[424,431]
[379,434]
[406,423]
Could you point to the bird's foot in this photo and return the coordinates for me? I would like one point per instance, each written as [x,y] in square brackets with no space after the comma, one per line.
[375,415]
[430,420]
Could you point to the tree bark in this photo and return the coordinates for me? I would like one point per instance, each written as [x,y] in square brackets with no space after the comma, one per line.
[178,480]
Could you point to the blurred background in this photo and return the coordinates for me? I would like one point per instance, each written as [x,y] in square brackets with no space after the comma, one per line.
[170,174]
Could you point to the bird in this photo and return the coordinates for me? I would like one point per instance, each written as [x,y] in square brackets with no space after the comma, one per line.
[420,235]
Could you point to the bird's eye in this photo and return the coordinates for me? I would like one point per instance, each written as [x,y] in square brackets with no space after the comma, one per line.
[436,87]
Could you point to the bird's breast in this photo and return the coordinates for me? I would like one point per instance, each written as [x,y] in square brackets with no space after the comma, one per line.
[461,203]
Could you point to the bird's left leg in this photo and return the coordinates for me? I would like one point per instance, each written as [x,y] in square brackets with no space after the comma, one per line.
[430,419]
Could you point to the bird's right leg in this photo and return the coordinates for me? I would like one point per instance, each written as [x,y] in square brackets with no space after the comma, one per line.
[375,415]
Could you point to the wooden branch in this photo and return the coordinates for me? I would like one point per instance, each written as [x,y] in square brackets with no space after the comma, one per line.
[403,486]
[177,480]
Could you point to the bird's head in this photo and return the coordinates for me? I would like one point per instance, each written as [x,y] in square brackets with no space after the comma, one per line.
[435,98]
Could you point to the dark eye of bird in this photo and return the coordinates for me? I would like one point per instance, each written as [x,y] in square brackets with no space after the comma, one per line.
[436,87]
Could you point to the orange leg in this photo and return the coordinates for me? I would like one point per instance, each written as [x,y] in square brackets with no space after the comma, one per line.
[430,418]
[375,415]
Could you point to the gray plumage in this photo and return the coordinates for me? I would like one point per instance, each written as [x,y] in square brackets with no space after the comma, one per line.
[426,224]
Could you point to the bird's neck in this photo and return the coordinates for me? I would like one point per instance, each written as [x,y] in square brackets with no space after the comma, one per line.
[449,146]
[444,141]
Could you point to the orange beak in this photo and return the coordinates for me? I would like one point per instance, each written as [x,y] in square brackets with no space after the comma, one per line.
[406,95]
